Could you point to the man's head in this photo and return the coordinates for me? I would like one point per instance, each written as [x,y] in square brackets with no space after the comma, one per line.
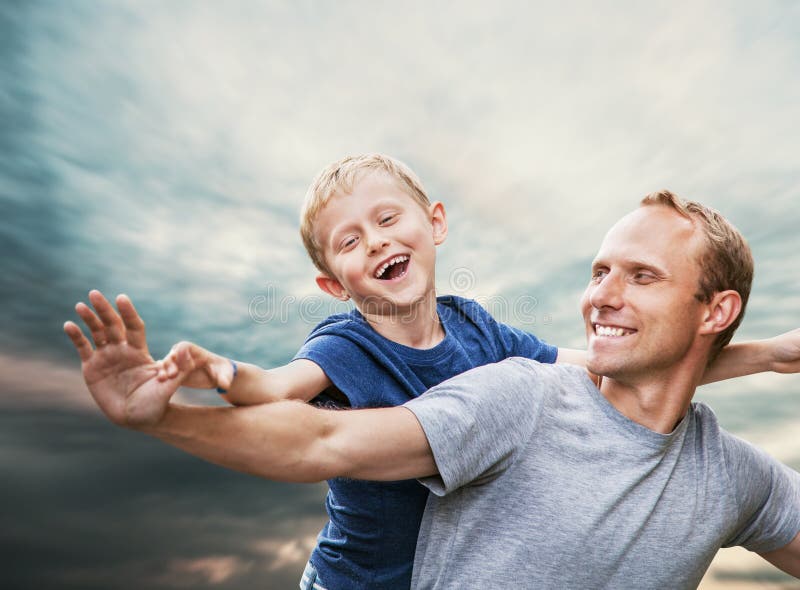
[672,277]
[371,230]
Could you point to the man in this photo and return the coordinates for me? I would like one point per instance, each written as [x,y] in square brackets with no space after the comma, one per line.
[540,478]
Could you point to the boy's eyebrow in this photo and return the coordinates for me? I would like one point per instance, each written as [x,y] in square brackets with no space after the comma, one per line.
[373,208]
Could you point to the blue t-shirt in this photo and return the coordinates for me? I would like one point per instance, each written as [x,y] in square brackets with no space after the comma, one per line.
[371,537]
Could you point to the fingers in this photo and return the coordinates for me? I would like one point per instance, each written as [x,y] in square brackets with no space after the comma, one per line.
[178,360]
[96,327]
[80,341]
[114,328]
[134,325]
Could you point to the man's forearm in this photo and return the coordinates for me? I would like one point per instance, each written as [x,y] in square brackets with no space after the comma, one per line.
[293,441]
[283,441]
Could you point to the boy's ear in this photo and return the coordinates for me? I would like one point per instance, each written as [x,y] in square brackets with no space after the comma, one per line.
[332,287]
[721,311]
[438,221]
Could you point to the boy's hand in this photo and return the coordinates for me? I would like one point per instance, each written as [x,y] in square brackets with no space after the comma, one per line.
[119,371]
[201,368]
[785,352]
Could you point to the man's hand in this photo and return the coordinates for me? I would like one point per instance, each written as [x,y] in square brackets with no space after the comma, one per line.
[119,371]
[198,368]
[785,352]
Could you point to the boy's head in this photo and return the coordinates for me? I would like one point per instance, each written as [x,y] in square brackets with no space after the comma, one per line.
[340,177]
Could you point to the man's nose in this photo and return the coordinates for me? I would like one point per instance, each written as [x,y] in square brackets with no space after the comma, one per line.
[608,292]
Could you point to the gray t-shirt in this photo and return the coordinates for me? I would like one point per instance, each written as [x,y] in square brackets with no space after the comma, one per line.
[544,484]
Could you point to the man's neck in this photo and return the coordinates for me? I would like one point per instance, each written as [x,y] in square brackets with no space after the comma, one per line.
[417,326]
[658,402]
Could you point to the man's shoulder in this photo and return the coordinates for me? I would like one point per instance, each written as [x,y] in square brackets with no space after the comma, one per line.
[544,377]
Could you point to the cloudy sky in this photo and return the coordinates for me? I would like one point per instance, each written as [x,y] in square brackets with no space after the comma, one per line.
[161,149]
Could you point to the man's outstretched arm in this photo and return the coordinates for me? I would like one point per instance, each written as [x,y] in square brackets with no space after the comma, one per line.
[786,558]
[293,441]
[288,441]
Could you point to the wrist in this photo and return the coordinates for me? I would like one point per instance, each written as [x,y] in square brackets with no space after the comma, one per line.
[235,368]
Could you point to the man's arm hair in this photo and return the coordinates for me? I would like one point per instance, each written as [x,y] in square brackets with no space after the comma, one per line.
[293,441]
[786,558]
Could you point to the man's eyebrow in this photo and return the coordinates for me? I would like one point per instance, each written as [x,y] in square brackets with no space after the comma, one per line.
[631,263]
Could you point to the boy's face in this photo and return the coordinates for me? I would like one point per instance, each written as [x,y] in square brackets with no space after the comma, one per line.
[380,246]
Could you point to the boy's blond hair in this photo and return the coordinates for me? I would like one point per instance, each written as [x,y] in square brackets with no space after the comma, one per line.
[726,262]
[341,177]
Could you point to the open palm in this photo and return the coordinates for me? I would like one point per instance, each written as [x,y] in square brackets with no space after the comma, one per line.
[119,371]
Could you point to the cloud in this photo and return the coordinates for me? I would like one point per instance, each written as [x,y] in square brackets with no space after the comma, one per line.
[162,150]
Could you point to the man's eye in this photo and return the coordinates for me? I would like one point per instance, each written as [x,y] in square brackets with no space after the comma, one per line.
[598,274]
[644,277]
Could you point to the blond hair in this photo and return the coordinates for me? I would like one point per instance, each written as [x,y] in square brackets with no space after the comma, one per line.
[341,177]
[725,263]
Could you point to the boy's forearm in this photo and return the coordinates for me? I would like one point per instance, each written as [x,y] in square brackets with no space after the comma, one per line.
[571,356]
[300,380]
[738,360]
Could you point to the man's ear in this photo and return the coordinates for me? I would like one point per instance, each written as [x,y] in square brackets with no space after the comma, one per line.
[332,287]
[438,221]
[721,311]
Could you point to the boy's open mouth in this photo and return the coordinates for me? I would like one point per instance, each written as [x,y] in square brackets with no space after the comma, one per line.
[393,268]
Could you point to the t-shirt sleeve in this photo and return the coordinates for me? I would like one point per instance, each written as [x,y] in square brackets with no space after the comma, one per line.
[518,342]
[478,422]
[347,366]
[768,497]
[509,341]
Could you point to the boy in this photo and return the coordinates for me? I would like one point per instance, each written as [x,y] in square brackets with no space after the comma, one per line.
[372,232]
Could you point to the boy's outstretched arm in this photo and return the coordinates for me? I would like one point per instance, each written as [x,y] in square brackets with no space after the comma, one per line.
[780,354]
[289,441]
[299,380]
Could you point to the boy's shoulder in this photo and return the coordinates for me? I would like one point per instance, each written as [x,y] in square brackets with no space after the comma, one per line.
[338,323]
[461,306]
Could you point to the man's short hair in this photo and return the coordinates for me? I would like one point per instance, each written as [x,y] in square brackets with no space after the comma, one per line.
[341,177]
[726,261]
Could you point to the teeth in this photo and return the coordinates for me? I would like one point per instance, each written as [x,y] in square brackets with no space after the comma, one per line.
[608,331]
[387,264]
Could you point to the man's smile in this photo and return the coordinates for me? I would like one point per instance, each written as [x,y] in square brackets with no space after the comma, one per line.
[609,331]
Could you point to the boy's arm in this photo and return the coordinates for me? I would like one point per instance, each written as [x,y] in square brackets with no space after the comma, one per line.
[299,380]
[780,354]
[289,440]
[571,356]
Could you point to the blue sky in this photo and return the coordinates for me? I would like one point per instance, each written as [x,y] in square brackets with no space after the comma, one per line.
[162,150]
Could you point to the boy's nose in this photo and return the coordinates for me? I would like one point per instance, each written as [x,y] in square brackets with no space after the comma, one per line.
[375,244]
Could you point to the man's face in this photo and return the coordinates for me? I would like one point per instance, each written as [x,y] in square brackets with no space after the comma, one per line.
[640,309]
[379,244]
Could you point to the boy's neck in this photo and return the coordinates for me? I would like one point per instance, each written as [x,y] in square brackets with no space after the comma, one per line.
[416,327]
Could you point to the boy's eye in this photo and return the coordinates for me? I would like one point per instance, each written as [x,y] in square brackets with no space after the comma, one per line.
[386,219]
[347,242]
